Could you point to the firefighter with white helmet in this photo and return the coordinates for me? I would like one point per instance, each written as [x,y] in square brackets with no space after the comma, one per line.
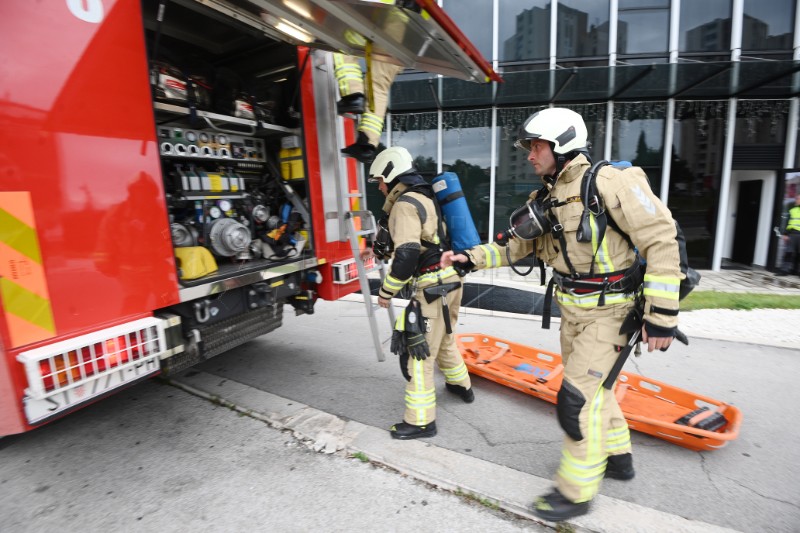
[423,335]
[598,285]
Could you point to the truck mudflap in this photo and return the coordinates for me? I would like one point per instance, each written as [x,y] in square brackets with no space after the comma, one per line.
[652,407]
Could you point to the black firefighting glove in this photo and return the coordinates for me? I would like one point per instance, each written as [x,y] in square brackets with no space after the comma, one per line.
[416,345]
[408,338]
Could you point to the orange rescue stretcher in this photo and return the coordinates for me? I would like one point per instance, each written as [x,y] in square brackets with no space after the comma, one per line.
[675,415]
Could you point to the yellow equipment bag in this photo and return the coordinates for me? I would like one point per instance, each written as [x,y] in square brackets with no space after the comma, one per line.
[194,262]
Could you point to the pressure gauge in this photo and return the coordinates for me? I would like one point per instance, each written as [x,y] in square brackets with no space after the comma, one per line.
[225,205]
[221,139]
[191,136]
[214,212]
[203,137]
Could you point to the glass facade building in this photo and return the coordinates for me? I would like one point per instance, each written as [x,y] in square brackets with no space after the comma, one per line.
[702,95]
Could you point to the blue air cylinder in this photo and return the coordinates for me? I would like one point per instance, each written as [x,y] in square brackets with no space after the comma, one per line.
[460,226]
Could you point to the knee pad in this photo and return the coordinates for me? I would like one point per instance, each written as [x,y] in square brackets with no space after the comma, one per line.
[570,402]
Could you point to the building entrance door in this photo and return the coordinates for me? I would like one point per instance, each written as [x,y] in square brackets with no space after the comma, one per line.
[746,229]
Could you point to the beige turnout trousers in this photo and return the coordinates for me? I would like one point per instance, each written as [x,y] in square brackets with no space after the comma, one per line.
[351,80]
[421,390]
[590,343]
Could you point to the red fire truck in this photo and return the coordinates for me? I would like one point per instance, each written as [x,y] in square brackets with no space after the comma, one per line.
[171,177]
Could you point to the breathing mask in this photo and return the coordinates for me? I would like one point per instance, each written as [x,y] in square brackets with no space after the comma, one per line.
[527,222]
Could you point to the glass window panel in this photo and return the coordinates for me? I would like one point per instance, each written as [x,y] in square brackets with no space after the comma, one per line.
[460,93]
[705,26]
[642,31]
[761,122]
[417,133]
[643,4]
[515,178]
[767,24]
[465,151]
[524,30]
[695,174]
[411,92]
[582,28]
[638,137]
[526,87]
[474,18]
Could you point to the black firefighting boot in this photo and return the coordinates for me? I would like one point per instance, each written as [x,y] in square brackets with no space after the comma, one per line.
[352,103]
[405,431]
[554,507]
[620,467]
[361,149]
[466,394]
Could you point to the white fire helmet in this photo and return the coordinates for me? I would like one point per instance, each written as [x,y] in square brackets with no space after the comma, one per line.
[389,164]
[562,127]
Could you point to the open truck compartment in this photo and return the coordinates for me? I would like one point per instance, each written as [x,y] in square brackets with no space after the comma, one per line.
[226,108]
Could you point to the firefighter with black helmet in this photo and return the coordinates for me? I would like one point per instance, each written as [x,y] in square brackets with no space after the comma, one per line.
[599,283]
[423,335]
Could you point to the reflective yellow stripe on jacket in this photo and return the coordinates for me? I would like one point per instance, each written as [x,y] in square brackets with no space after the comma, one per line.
[662,287]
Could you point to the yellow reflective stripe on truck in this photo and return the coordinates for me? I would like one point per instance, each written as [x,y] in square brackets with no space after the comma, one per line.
[23,285]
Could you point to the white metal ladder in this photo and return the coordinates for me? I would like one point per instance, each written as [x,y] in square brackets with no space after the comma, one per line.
[368,229]
[343,221]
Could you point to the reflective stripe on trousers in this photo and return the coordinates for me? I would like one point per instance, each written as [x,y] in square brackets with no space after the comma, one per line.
[588,353]
[420,397]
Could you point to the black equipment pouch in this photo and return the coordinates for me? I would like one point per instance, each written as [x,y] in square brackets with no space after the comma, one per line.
[440,291]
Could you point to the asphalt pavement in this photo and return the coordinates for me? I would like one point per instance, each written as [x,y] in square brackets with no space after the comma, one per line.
[290,433]
[156,459]
[318,377]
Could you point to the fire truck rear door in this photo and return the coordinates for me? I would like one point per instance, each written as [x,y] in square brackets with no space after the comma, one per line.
[422,37]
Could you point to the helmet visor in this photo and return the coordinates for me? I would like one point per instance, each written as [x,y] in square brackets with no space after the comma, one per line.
[375,179]
[523,144]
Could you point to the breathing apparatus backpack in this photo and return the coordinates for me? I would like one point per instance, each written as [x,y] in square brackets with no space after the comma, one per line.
[593,207]
[451,208]
[453,204]
[534,219]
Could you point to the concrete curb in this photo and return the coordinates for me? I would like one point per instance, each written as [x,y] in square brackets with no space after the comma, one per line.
[511,490]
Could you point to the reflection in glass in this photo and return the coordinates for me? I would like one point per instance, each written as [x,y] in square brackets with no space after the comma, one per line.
[643,30]
[466,151]
[413,91]
[515,179]
[582,28]
[474,18]
[761,122]
[417,133]
[524,30]
[695,174]
[705,26]
[767,24]
[638,137]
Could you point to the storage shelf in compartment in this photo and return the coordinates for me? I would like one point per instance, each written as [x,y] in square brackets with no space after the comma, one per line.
[215,159]
[265,127]
[213,196]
